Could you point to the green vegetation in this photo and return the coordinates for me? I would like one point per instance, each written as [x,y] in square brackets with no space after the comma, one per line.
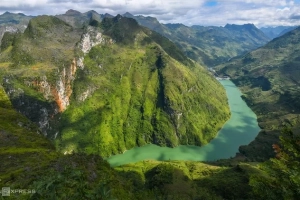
[140,95]
[21,147]
[136,87]
[269,79]
[132,91]
[84,176]
[281,179]
[191,180]
[89,176]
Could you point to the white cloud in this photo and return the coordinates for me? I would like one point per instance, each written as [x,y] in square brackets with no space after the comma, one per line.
[189,12]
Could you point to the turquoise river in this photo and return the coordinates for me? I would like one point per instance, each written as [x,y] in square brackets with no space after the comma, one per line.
[239,130]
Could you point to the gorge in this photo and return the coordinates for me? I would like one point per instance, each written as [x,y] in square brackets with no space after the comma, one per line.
[239,130]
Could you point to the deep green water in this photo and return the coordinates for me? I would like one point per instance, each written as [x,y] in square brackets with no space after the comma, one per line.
[239,130]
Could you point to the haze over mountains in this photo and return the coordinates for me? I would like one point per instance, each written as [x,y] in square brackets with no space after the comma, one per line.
[208,45]
[273,32]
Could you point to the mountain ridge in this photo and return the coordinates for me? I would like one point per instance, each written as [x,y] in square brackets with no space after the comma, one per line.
[199,46]
[273,32]
[268,77]
[204,46]
[116,77]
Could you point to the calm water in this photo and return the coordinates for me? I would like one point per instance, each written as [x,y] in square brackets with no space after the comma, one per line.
[239,130]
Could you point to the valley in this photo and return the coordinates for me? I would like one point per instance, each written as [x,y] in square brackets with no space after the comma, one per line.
[124,107]
[268,77]
[239,130]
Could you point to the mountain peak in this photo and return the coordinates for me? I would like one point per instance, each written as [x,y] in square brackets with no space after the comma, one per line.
[72,12]
[107,15]
[7,13]
[40,25]
[175,25]
[128,14]
[91,13]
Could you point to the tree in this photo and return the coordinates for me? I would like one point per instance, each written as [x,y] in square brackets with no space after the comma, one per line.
[280,178]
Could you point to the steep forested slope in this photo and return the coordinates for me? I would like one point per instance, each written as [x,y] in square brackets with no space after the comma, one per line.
[139,92]
[105,89]
[29,161]
[269,78]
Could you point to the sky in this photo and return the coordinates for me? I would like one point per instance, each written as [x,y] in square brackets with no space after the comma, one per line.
[261,13]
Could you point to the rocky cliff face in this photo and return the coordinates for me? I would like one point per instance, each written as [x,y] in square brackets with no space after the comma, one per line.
[63,87]
[54,98]
[111,87]
[54,94]
[89,39]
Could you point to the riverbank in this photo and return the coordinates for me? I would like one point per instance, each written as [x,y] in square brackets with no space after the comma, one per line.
[239,130]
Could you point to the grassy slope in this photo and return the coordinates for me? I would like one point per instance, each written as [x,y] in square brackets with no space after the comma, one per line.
[191,180]
[142,95]
[80,176]
[29,161]
[269,78]
[21,147]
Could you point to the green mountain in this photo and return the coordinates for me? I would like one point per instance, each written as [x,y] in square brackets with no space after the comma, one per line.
[113,85]
[269,79]
[109,87]
[81,176]
[208,45]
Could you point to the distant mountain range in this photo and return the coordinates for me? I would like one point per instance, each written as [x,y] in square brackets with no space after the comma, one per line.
[11,22]
[277,31]
[207,45]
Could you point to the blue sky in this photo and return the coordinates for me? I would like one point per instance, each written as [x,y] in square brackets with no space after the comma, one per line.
[189,12]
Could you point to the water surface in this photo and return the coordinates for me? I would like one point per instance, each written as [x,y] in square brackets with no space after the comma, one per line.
[239,130]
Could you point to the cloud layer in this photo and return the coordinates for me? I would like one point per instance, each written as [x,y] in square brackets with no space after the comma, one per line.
[189,12]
